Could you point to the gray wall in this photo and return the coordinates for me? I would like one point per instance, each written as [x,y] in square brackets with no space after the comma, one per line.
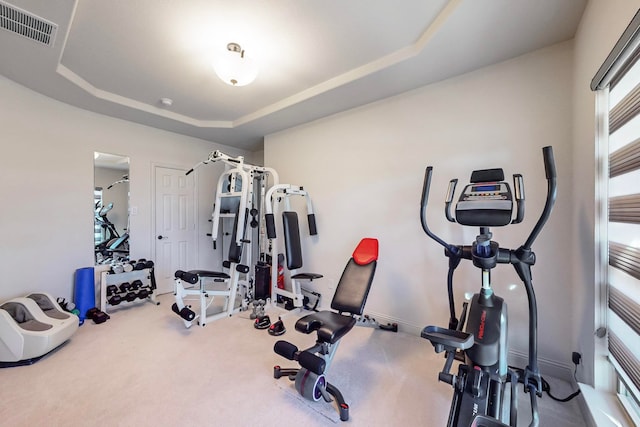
[364,169]
[47,172]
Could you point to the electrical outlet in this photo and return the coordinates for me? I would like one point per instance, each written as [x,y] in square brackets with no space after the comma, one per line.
[576,357]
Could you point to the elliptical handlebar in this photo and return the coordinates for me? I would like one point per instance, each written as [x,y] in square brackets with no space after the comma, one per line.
[552,190]
[550,173]
[423,211]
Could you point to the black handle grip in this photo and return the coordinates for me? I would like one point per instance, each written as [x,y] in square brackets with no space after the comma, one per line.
[313,230]
[426,184]
[189,171]
[271,226]
[549,162]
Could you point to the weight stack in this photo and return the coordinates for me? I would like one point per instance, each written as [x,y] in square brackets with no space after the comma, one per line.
[263,280]
[85,291]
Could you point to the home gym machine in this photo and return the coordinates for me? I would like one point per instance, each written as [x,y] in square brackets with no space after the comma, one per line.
[294,298]
[297,297]
[239,197]
[480,385]
[331,326]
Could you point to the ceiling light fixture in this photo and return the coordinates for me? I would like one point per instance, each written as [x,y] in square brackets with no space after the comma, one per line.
[234,68]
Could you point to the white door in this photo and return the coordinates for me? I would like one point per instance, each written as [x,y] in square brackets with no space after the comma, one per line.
[175,223]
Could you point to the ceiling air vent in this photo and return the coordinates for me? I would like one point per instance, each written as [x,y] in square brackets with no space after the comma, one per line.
[27,24]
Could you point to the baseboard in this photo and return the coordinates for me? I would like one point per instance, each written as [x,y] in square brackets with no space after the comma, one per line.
[548,367]
[403,326]
[516,358]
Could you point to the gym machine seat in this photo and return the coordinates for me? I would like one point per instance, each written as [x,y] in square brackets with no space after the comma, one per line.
[330,326]
[31,327]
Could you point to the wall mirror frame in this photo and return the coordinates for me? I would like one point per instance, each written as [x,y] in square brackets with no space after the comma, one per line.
[111,207]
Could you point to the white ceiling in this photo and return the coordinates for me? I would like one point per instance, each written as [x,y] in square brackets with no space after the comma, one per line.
[316,58]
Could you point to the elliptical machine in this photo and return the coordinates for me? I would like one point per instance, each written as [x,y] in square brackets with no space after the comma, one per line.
[113,245]
[480,384]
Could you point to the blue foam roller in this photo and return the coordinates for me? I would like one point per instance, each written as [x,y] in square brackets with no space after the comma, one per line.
[85,291]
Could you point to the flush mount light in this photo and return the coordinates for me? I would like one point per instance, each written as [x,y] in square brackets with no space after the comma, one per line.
[234,68]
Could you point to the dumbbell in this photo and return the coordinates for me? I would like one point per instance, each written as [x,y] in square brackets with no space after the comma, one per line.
[124,287]
[97,316]
[112,290]
[131,296]
[143,293]
[117,268]
[115,299]
[135,285]
[142,263]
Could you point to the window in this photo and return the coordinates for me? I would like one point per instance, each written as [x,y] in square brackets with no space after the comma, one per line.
[619,82]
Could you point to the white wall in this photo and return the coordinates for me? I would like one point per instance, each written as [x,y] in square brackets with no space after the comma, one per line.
[364,169]
[601,26]
[46,170]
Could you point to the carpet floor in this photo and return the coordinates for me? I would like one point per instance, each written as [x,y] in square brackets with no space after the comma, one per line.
[144,368]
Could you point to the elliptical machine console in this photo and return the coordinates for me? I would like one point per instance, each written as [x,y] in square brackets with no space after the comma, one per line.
[487,200]
[479,386]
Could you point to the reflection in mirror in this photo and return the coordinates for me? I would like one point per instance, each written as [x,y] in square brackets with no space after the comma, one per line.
[111,207]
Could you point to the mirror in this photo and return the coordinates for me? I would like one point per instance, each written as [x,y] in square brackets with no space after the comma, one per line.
[111,207]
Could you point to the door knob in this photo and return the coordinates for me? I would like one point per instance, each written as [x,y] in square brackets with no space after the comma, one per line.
[160,237]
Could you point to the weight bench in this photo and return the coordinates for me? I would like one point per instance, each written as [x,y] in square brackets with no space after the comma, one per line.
[202,277]
[331,326]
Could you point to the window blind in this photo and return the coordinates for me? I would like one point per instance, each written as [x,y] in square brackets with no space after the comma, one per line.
[620,74]
[623,315]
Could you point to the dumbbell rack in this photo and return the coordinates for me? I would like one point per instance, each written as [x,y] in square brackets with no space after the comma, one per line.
[108,279]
